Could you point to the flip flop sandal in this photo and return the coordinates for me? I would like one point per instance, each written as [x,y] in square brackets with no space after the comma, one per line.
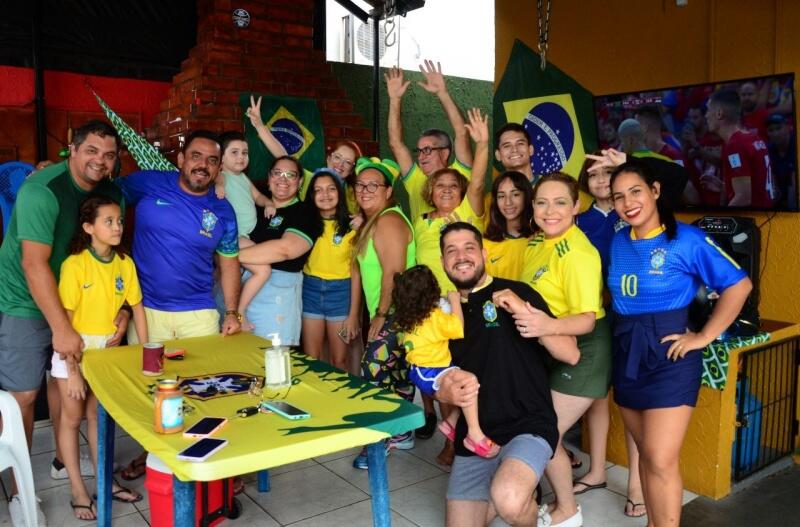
[134,470]
[447,429]
[89,507]
[484,448]
[633,514]
[116,496]
[574,461]
[588,487]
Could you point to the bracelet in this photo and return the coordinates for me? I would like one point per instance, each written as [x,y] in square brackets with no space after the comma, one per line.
[382,315]
[234,313]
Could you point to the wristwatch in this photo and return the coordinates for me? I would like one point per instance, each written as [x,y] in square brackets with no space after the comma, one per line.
[234,313]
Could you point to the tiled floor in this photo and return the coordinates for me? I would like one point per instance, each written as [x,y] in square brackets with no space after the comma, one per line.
[319,492]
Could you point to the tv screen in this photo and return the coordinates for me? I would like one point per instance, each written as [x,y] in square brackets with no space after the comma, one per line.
[736,139]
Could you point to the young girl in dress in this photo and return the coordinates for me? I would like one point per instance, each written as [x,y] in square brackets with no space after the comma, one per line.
[232,183]
[428,322]
[96,280]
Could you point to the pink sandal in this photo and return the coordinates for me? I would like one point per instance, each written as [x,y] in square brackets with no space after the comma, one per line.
[447,429]
[484,448]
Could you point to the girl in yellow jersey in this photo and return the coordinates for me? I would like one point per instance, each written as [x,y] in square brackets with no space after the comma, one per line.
[563,266]
[509,225]
[331,299]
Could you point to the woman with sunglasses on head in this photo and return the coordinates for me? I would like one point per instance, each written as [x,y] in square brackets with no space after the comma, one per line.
[656,266]
[284,241]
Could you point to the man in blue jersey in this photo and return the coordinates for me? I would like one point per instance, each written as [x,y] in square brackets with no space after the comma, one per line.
[180,226]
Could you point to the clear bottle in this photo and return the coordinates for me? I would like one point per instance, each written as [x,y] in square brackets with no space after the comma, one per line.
[278,365]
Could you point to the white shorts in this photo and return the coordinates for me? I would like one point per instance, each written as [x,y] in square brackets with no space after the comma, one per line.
[58,366]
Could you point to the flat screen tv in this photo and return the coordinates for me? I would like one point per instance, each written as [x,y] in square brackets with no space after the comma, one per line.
[745,160]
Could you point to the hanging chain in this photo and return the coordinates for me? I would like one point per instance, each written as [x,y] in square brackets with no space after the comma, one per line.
[544,32]
[388,25]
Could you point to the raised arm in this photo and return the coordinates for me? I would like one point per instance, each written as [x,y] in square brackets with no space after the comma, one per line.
[478,129]
[396,87]
[435,83]
[254,114]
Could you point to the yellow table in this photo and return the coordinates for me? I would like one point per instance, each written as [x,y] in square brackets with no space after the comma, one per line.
[345,412]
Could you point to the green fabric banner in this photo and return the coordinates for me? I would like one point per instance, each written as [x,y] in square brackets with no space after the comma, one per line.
[557,112]
[296,124]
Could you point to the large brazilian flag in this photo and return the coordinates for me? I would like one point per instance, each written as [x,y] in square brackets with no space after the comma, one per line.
[556,111]
[296,124]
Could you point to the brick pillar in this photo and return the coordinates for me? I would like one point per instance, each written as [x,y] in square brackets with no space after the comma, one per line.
[273,55]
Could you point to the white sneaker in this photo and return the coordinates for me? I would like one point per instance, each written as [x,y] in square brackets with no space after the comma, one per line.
[87,469]
[545,520]
[18,517]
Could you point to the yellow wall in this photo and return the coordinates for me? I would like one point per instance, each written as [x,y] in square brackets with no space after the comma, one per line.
[614,46]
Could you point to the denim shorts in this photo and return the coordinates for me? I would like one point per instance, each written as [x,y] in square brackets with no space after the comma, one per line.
[471,476]
[326,299]
[277,307]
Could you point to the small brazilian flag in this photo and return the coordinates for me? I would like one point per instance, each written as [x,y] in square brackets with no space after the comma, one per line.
[556,111]
[296,124]
[147,157]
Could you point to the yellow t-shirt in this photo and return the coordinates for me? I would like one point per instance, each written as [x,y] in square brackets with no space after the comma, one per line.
[427,233]
[415,181]
[505,258]
[95,290]
[428,345]
[566,271]
[331,256]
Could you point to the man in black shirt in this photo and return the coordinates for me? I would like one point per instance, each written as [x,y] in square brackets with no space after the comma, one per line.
[515,407]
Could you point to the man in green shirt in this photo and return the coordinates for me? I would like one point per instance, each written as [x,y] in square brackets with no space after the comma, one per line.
[33,322]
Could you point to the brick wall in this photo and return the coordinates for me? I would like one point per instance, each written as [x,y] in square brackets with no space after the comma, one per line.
[273,55]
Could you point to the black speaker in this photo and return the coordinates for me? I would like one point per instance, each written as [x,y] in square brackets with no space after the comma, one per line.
[741,239]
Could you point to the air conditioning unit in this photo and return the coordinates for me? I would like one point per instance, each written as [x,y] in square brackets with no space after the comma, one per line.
[356,46]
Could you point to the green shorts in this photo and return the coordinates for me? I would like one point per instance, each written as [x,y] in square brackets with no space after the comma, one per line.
[591,377]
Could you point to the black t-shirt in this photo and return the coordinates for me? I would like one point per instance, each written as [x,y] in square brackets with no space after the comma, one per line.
[514,396]
[298,218]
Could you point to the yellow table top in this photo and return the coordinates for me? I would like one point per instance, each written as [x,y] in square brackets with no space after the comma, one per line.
[345,411]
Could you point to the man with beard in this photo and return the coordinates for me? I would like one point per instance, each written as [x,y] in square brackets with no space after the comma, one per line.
[515,406]
[180,225]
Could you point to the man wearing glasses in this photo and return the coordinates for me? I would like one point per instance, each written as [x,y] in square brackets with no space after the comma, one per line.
[433,146]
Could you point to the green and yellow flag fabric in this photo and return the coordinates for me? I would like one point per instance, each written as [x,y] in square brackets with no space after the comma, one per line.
[296,124]
[556,111]
[147,156]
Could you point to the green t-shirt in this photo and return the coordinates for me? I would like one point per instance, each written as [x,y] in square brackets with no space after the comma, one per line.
[45,211]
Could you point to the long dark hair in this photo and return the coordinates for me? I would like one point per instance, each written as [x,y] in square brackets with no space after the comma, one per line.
[496,229]
[665,214]
[415,295]
[342,215]
[88,214]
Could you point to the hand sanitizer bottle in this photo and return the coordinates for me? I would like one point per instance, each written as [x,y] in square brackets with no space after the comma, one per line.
[278,364]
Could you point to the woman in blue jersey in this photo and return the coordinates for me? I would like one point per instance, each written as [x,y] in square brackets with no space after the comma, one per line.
[509,225]
[656,267]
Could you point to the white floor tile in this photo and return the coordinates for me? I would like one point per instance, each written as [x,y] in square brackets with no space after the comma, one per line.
[252,515]
[423,503]
[356,515]
[350,452]
[404,469]
[602,508]
[55,504]
[428,449]
[305,493]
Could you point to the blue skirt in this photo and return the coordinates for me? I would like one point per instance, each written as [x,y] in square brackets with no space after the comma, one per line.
[642,376]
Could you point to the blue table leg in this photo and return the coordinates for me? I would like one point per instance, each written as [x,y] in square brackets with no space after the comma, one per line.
[263,480]
[379,484]
[105,465]
[183,502]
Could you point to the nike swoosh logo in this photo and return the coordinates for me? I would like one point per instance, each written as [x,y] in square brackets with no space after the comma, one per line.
[162,202]
[495,260]
[87,286]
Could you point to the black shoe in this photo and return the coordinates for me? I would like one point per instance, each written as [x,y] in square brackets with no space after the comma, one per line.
[426,431]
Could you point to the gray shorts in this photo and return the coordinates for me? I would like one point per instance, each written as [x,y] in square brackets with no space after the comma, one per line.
[471,476]
[26,345]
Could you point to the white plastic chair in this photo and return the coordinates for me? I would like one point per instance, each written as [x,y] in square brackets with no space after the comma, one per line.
[14,454]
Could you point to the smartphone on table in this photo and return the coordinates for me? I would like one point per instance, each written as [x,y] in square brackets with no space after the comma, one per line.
[205,427]
[286,410]
[202,450]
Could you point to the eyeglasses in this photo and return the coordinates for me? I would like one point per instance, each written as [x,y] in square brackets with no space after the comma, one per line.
[428,149]
[342,161]
[285,174]
[369,188]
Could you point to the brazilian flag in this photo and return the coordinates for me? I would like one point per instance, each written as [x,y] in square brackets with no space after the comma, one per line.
[296,124]
[556,111]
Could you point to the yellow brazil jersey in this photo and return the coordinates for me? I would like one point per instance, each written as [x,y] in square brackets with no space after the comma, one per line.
[428,345]
[427,232]
[566,271]
[95,290]
[505,258]
[331,256]
[415,181]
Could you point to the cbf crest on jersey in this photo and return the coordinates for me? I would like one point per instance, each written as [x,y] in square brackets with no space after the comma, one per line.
[337,239]
[119,285]
[539,272]
[216,385]
[657,259]
[209,221]
[490,314]
[275,222]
